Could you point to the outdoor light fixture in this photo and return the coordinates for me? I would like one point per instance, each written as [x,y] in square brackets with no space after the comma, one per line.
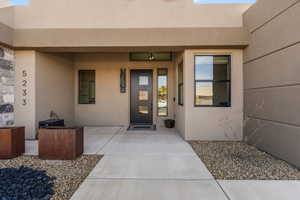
[151,56]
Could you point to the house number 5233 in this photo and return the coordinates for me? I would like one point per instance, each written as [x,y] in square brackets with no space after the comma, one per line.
[24,87]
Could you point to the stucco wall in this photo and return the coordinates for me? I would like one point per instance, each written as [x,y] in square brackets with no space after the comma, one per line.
[6,25]
[126,14]
[214,123]
[271,71]
[179,109]
[44,82]
[54,87]
[7,16]
[129,23]
[112,107]
[25,93]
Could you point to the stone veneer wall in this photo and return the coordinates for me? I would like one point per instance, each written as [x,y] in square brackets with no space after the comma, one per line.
[7,84]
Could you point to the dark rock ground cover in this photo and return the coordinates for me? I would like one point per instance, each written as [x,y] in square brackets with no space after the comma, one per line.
[25,183]
[68,176]
[239,161]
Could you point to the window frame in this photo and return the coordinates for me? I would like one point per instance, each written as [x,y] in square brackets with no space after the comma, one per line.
[167,92]
[179,85]
[214,81]
[86,70]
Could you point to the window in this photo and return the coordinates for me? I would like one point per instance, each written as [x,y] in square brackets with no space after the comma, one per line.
[212,81]
[87,87]
[180,83]
[143,95]
[162,92]
[143,80]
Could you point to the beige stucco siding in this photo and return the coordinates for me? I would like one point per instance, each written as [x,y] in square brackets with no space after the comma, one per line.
[7,16]
[119,23]
[214,123]
[6,35]
[6,25]
[180,109]
[54,87]
[271,72]
[112,107]
[280,32]
[100,39]
[126,14]
[44,83]
[263,11]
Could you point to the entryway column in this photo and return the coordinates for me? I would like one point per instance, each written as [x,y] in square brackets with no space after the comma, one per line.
[25,101]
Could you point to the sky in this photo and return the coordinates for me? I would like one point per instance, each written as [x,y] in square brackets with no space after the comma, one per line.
[19,2]
[223,1]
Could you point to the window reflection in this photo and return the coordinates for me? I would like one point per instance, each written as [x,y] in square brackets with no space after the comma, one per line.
[212,68]
[143,95]
[162,90]
[212,93]
[212,80]
[143,110]
[143,80]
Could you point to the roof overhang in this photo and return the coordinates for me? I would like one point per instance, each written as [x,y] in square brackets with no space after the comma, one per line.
[174,39]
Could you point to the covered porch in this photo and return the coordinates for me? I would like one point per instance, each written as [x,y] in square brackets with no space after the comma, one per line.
[133,88]
[95,89]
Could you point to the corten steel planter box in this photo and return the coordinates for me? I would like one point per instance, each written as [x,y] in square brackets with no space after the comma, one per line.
[60,143]
[12,142]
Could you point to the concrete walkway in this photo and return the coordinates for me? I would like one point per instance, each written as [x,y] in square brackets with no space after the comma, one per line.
[160,165]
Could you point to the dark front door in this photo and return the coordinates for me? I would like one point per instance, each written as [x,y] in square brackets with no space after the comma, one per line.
[141,97]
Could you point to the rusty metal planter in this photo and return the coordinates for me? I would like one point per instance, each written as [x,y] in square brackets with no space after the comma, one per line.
[12,142]
[60,143]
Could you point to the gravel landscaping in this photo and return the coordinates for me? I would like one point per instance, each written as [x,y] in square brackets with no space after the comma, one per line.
[68,174]
[239,161]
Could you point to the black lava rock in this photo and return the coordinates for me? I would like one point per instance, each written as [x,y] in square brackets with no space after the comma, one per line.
[25,184]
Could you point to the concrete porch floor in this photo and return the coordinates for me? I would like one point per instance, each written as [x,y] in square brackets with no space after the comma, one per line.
[160,165]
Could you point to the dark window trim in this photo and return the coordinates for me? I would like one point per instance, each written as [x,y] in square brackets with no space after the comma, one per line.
[220,81]
[167,92]
[85,70]
[167,60]
[179,85]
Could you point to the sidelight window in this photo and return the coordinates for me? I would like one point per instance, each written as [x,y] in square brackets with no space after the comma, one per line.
[180,84]
[87,87]
[162,92]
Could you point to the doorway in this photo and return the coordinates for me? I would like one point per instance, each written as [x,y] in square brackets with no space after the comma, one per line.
[141,97]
